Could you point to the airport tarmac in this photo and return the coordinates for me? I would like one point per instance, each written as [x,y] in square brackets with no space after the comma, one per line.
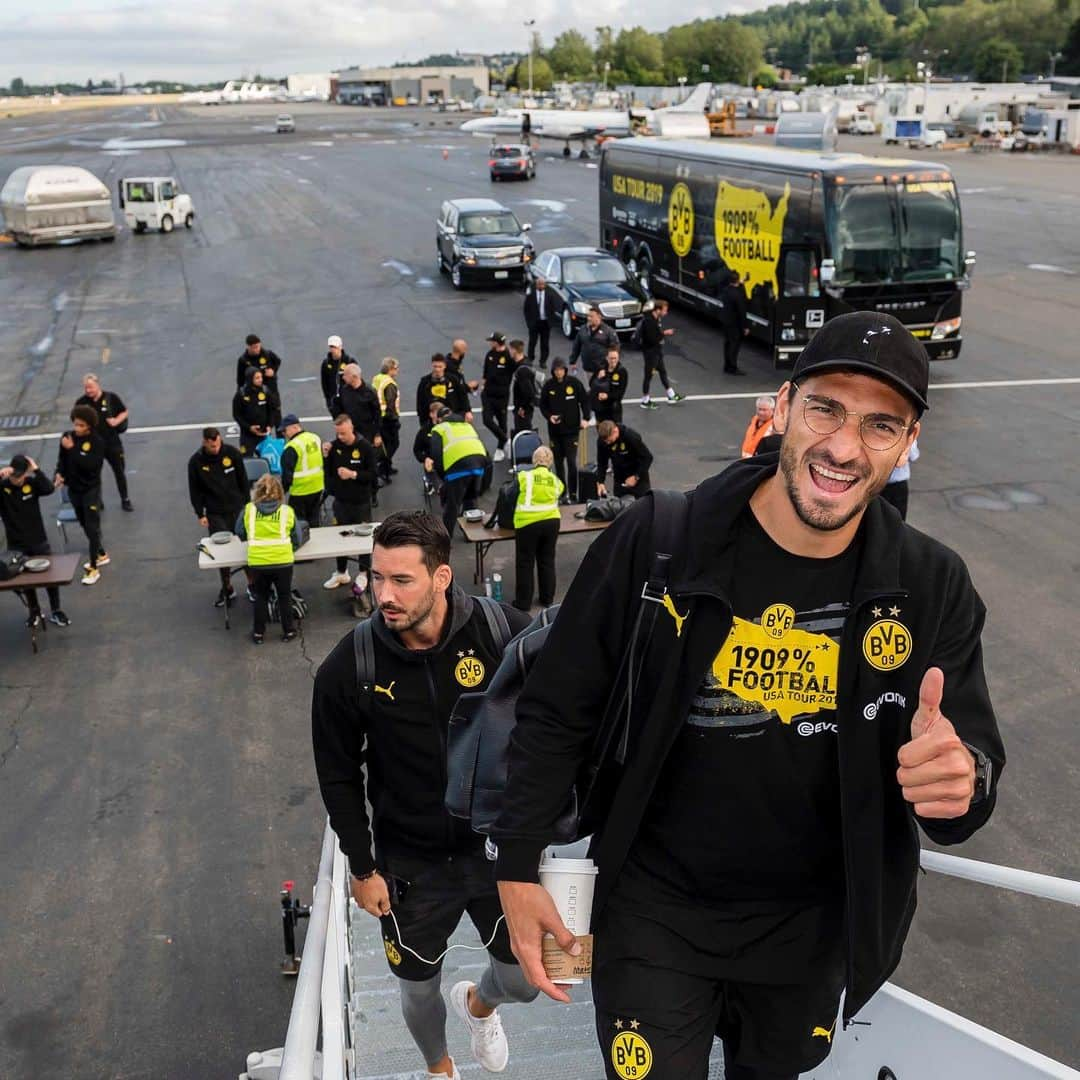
[157,783]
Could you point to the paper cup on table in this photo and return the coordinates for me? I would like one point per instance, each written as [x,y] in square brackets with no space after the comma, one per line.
[570,883]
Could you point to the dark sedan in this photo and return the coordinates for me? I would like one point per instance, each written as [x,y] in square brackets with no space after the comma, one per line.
[512,162]
[578,278]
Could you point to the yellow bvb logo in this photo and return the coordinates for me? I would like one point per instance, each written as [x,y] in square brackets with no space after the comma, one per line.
[26,489]
[887,645]
[469,672]
[777,619]
[681,219]
[226,462]
[631,1055]
[391,952]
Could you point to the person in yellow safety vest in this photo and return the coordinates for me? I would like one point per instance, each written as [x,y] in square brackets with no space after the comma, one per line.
[460,461]
[386,389]
[536,529]
[269,525]
[302,469]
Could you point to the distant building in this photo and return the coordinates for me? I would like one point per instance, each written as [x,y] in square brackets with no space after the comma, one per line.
[416,85]
[318,87]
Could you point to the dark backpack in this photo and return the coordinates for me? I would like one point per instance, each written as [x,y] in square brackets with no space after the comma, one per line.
[478,743]
[11,564]
[505,505]
[635,337]
[364,645]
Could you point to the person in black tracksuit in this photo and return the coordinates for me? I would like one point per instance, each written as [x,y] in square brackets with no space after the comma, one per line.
[385,747]
[733,320]
[592,342]
[495,390]
[256,412]
[565,405]
[78,465]
[523,388]
[758,852]
[630,459]
[218,490]
[331,369]
[22,487]
[266,360]
[652,337]
[350,473]
[112,421]
[443,386]
[607,387]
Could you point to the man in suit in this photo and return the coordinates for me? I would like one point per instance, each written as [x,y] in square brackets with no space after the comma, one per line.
[733,320]
[537,319]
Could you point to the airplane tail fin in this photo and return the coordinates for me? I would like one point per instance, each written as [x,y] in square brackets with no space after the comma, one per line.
[696,102]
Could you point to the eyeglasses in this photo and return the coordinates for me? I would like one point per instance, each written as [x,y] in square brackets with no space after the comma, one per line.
[878,431]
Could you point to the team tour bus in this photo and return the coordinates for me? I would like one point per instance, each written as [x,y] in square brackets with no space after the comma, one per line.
[809,235]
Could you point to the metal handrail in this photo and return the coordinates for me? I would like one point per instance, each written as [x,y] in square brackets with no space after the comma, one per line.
[1061,890]
[298,1057]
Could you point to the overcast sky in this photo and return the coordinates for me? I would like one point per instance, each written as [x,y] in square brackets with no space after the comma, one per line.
[204,40]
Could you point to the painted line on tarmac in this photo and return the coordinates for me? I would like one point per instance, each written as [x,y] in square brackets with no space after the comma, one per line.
[750,395]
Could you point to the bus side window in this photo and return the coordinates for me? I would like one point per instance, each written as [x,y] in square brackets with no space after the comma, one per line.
[800,276]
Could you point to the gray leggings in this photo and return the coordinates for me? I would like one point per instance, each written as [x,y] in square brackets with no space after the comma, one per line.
[424,1009]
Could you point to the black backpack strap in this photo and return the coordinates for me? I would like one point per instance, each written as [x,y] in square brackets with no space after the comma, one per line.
[364,650]
[497,623]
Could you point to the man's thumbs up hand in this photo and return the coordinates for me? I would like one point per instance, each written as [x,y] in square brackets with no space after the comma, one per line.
[937,772]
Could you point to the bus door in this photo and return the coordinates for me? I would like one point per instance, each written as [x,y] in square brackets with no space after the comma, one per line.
[800,307]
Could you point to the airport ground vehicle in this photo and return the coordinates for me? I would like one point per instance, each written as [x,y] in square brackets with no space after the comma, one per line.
[579,277]
[862,125]
[154,202]
[512,161]
[480,240]
[809,235]
[45,204]
[285,124]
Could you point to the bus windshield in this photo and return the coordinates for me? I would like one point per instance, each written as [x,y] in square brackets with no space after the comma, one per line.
[885,234]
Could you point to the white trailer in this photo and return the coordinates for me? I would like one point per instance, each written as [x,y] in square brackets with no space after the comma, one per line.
[44,204]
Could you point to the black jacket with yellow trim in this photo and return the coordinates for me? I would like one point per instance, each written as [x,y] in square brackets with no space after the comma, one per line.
[564,698]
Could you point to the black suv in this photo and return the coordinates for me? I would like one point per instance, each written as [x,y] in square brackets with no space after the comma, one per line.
[580,277]
[480,240]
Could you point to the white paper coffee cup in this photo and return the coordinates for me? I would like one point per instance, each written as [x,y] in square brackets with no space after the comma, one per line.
[570,883]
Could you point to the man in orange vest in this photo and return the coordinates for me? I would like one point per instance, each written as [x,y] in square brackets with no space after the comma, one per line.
[761,424]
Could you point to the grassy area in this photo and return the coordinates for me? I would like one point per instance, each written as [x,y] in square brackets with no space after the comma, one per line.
[24,106]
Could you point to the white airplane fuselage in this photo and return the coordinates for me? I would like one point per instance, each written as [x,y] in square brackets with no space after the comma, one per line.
[562,124]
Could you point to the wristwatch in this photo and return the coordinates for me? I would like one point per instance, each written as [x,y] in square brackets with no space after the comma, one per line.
[984,769]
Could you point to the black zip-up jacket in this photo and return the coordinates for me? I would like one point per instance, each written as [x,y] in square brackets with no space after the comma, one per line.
[568,401]
[106,407]
[498,373]
[450,391]
[402,740]
[629,456]
[524,386]
[250,410]
[612,383]
[361,403]
[20,510]
[733,315]
[564,697]
[360,457]
[217,483]
[266,359]
[81,465]
[652,333]
[330,376]
[592,346]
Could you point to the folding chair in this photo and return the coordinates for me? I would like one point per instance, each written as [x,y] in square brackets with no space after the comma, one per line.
[255,467]
[521,449]
[66,514]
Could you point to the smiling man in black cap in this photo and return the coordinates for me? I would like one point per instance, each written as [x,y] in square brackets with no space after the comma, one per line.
[813,691]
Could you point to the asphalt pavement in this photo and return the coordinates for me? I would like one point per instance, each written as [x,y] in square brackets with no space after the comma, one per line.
[156,782]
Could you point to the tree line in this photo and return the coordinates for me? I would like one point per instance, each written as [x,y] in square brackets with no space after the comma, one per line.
[829,40]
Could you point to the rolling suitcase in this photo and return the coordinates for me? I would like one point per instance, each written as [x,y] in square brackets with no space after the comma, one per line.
[587,478]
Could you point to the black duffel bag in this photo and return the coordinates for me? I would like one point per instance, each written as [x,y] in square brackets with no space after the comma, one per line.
[11,564]
[608,508]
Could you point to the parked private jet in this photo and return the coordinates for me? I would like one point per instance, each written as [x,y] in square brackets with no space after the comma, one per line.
[687,120]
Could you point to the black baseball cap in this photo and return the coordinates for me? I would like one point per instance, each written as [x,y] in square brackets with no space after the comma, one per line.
[871,343]
[289,419]
[20,464]
[498,337]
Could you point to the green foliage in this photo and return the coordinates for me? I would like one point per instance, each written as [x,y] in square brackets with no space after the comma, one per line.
[542,75]
[18,87]
[997,60]
[766,77]
[829,74]
[641,55]
[1070,59]
[571,56]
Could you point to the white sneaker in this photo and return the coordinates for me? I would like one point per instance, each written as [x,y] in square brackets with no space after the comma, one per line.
[499,455]
[361,580]
[91,577]
[455,1075]
[488,1040]
[336,579]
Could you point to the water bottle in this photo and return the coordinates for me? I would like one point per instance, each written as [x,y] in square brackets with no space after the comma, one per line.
[487,585]
[496,586]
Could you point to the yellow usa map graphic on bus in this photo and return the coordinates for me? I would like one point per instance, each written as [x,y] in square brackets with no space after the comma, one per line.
[749,232]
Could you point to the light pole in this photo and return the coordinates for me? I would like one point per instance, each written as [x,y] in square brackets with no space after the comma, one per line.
[682,88]
[607,68]
[529,24]
[1054,58]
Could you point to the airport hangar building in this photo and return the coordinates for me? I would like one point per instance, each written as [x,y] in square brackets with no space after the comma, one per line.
[380,86]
